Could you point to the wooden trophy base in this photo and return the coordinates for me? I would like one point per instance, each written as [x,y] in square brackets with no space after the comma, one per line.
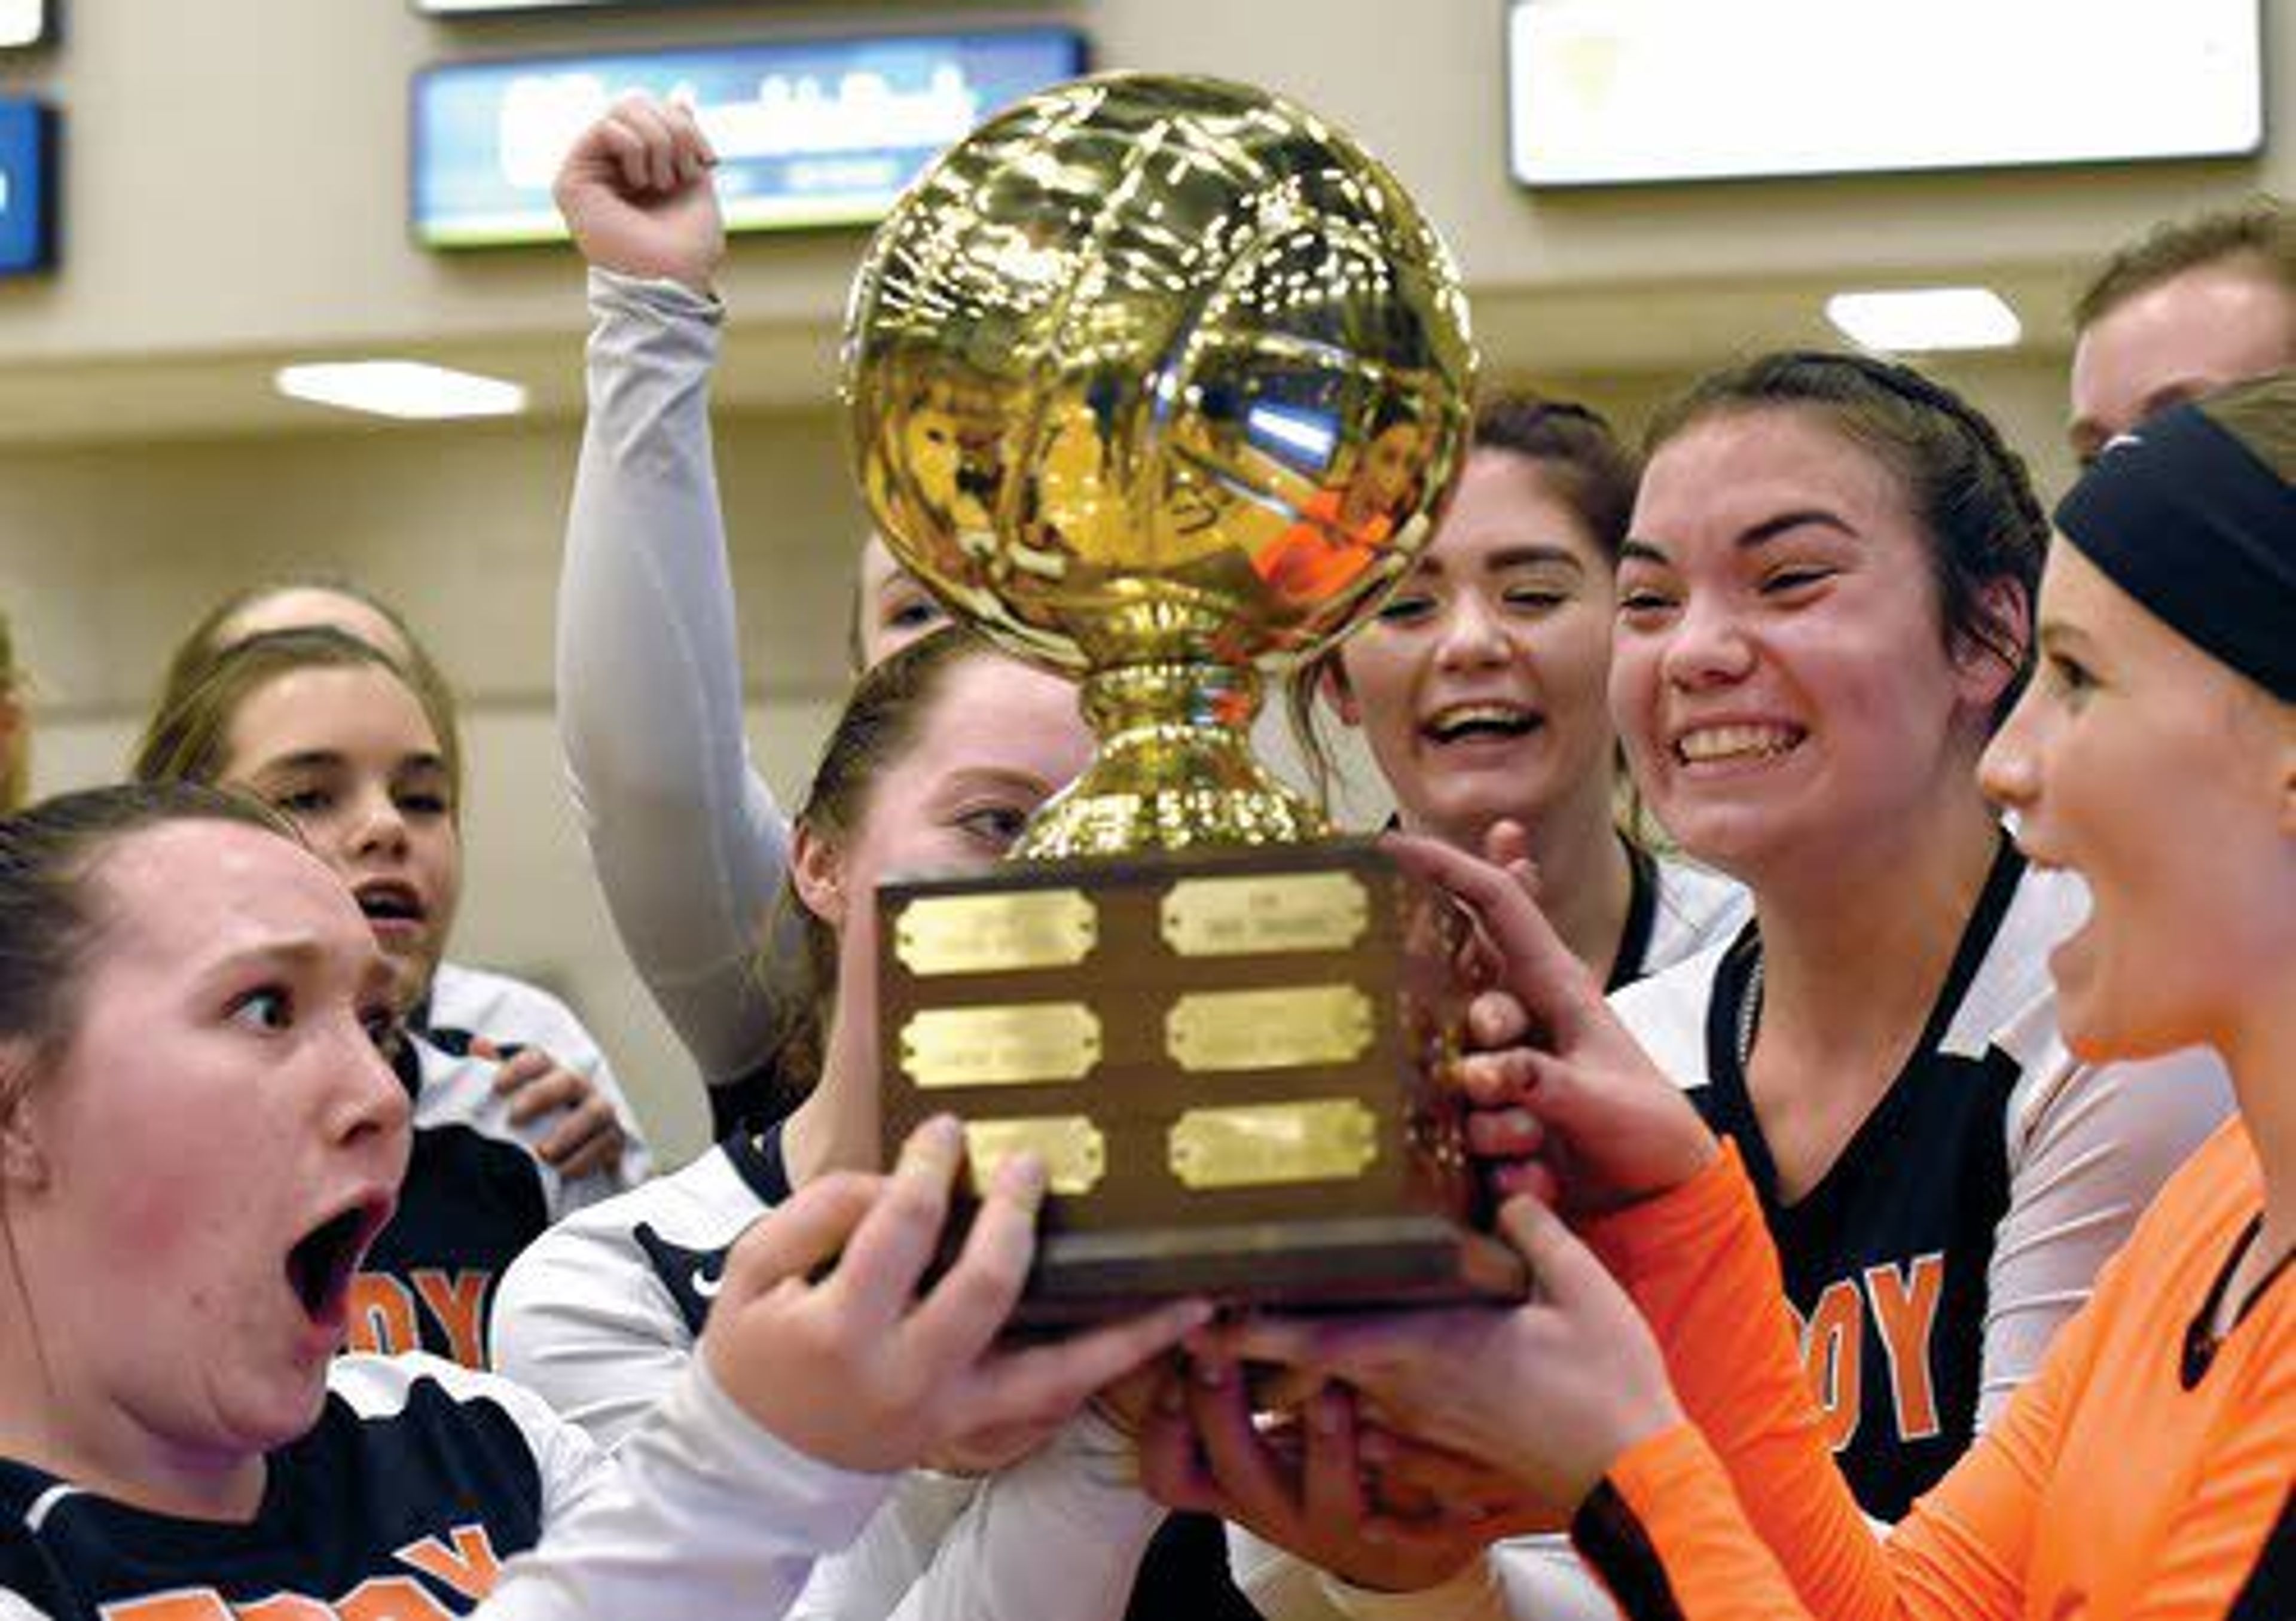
[1228,1062]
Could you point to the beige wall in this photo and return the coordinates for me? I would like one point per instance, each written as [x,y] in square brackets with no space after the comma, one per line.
[236,171]
[236,196]
[108,552]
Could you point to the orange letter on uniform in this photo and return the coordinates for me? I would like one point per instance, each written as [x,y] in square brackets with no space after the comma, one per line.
[382,1316]
[458,1306]
[470,1566]
[1905,1309]
[1832,1347]
[205,1605]
[392,1598]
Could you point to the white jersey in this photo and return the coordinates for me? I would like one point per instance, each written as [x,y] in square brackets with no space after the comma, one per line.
[427,1490]
[513,1014]
[1677,909]
[477,1191]
[600,1318]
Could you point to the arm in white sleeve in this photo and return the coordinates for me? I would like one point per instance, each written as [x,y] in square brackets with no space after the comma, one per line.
[2089,1145]
[1056,1537]
[700,1514]
[869,1579]
[1528,1579]
[579,1320]
[688,843]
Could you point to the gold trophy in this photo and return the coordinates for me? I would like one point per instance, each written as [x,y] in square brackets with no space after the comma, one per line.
[1162,382]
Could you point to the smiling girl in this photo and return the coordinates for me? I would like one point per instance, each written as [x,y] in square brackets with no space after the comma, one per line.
[2146,1469]
[1479,686]
[1824,610]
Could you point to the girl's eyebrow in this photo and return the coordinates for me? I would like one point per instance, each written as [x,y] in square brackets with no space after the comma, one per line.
[1528,553]
[1752,536]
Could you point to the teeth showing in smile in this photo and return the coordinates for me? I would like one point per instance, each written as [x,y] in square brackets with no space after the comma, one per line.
[1710,743]
[1479,720]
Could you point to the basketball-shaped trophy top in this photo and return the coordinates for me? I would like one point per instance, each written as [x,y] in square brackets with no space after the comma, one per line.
[1153,370]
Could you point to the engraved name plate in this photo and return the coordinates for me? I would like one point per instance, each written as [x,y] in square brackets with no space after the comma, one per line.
[971,934]
[1285,1028]
[1074,1153]
[1008,1044]
[1327,1140]
[1265,912]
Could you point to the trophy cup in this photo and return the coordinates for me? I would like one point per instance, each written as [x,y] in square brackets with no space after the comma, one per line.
[1161,382]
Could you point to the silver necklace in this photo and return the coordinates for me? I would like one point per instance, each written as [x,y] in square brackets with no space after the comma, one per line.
[1750,1012]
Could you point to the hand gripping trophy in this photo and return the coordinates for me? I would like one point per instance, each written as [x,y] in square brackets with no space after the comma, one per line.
[1161,382]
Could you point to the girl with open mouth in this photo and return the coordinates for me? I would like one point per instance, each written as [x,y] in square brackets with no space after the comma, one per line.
[338,737]
[200,1132]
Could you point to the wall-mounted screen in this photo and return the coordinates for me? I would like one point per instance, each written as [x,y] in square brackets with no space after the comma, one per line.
[26,23]
[28,187]
[808,133]
[487,8]
[1611,92]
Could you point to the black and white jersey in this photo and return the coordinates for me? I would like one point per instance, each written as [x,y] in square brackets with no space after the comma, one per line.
[1967,1216]
[600,1318]
[1675,910]
[466,1003]
[476,1193]
[419,1481]
[415,1486]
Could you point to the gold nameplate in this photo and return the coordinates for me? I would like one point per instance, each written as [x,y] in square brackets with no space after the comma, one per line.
[1327,1141]
[971,934]
[1000,1046]
[1074,1153]
[1273,1029]
[1230,917]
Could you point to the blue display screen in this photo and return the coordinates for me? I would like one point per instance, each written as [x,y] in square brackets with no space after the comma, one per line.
[808,133]
[28,192]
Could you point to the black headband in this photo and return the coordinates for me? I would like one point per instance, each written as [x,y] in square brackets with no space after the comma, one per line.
[2186,519]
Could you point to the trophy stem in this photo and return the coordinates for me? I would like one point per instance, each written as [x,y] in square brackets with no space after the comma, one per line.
[1174,770]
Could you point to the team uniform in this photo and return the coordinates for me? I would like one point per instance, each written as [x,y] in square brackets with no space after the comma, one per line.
[477,1192]
[1963,1223]
[1675,909]
[1968,1216]
[689,844]
[600,1318]
[2144,1472]
[411,1496]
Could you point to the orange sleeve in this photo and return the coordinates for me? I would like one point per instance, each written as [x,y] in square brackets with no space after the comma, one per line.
[2213,1550]
[1668,1538]
[1700,1265]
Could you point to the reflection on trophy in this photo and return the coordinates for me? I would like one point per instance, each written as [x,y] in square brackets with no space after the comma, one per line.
[1161,382]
